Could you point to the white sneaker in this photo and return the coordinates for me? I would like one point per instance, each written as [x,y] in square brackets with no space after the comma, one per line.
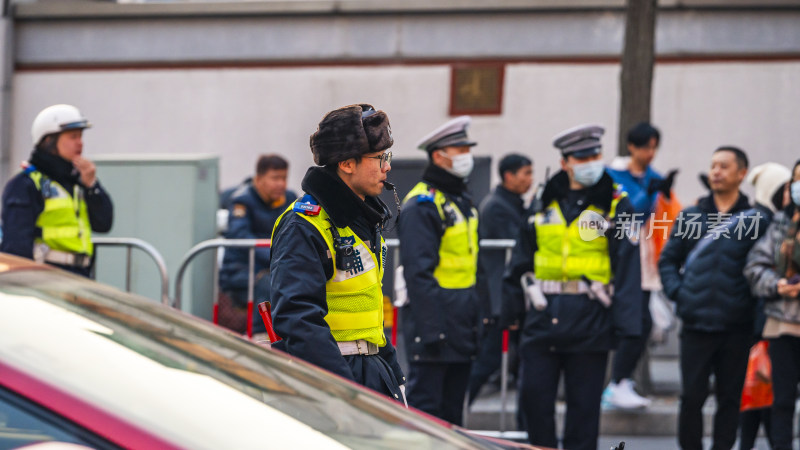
[622,396]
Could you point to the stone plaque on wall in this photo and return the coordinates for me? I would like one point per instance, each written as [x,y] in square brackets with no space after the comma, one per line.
[476,88]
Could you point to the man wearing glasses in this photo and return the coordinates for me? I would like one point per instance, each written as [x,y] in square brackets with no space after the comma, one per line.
[328,255]
[438,232]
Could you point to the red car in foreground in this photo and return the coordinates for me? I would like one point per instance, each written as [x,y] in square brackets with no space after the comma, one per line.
[84,363]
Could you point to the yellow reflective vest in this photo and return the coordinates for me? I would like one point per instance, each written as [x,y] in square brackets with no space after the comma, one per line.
[567,252]
[354,297]
[65,219]
[458,250]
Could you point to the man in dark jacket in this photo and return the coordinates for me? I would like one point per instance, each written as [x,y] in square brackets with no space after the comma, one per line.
[580,268]
[438,233]
[328,254]
[701,270]
[254,208]
[51,208]
[501,215]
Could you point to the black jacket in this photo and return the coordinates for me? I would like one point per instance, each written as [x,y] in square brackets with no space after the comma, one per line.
[249,217]
[439,325]
[574,322]
[501,215]
[711,292]
[23,202]
[301,265]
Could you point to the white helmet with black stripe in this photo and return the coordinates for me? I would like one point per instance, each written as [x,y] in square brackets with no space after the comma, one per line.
[55,119]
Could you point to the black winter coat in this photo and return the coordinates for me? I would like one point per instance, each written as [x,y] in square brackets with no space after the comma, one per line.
[574,322]
[23,202]
[300,267]
[711,292]
[249,217]
[439,325]
[501,215]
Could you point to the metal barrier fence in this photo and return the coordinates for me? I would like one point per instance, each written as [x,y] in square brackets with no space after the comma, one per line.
[130,244]
[216,244]
[252,244]
[484,244]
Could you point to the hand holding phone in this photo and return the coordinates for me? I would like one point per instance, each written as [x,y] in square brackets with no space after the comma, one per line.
[789,288]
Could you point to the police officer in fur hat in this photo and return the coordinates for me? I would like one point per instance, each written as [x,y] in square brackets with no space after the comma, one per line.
[573,284]
[328,255]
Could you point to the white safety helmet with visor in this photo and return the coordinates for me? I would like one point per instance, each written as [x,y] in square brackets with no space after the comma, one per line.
[55,119]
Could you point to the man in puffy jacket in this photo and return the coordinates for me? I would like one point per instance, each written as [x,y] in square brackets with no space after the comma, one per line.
[701,270]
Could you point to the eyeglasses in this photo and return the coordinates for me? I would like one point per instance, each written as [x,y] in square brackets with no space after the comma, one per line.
[384,158]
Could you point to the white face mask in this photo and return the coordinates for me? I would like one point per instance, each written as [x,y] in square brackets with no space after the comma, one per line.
[588,174]
[794,189]
[462,164]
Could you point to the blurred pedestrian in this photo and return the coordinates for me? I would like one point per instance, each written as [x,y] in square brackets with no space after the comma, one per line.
[52,207]
[769,180]
[644,186]
[253,209]
[773,268]
[501,215]
[328,254]
[438,233]
[226,195]
[701,270]
[572,285]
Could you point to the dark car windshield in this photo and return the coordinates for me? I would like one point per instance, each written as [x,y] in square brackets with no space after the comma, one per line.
[188,380]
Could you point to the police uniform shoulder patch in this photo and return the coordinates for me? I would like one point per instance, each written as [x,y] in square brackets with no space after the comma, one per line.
[619,190]
[307,205]
[427,198]
[239,210]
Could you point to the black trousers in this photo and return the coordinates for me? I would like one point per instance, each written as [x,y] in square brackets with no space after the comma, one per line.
[439,389]
[490,358]
[584,374]
[750,422]
[725,355]
[631,348]
[784,352]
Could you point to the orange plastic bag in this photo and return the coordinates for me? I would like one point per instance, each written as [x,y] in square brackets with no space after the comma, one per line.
[757,391]
[664,216]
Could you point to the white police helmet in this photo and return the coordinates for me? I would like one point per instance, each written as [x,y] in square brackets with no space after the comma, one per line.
[55,119]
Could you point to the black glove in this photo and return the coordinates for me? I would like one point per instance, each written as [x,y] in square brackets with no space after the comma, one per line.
[664,186]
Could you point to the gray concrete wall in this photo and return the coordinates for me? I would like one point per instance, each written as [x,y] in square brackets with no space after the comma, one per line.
[238,113]
[241,78]
[98,33]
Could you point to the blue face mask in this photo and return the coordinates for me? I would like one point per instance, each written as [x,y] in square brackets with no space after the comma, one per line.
[588,174]
[794,189]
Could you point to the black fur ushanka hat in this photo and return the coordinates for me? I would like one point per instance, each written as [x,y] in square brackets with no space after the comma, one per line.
[350,131]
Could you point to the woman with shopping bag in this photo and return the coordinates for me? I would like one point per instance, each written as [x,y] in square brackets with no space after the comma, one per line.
[773,269]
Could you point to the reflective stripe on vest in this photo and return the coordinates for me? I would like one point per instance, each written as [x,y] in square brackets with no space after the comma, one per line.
[562,254]
[65,219]
[458,250]
[354,298]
